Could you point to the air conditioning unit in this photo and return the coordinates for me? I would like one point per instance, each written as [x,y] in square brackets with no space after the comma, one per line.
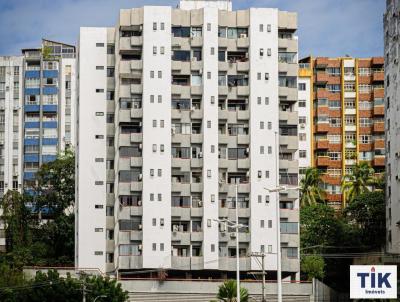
[172,131]
[302,126]
[140,247]
[201,71]
[242,36]
[140,227]
[140,176]
[200,203]
[139,203]
[175,228]
[397,154]
[247,150]
[232,235]
[200,155]
[140,146]
[248,173]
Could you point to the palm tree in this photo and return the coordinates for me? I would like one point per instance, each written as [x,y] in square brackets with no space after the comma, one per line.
[358,182]
[311,191]
[227,292]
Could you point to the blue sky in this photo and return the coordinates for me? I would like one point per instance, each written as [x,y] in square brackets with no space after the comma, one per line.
[326,27]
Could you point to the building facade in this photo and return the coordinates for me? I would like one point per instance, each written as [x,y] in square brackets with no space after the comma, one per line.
[49,88]
[37,97]
[346,117]
[177,107]
[392,111]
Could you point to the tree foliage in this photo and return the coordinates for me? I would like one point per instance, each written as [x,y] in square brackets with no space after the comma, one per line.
[49,287]
[227,292]
[29,241]
[311,192]
[313,267]
[358,182]
[366,214]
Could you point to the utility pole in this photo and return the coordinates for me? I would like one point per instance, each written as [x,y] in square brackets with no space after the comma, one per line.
[84,292]
[262,256]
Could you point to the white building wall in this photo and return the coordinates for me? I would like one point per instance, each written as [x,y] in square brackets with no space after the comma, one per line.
[210,138]
[392,125]
[263,137]
[197,4]
[158,111]
[304,95]
[90,245]
[62,102]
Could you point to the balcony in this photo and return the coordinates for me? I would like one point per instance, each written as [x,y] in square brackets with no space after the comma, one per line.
[180,263]
[130,262]
[379,161]
[322,144]
[136,137]
[334,197]
[183,238]
[378,77]
[229,263]
[322,94]
[378,61]
[379,144]
[379,110]
[322,77]
[322,127]
[379,93]
[321,61]
[323,161]
[379,127]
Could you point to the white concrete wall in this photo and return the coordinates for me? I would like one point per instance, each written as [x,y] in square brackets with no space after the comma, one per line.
[305,111]
[9,63]
[156,160]
[263,137]
[88,194]
[210,138]
[197,4]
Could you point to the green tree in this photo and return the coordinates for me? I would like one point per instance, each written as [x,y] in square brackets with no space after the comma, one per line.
[366,213]
[313,266]
[311,192]
[55,189]
[50,287]
[319,227]
[17,219]
[227,292]
[358,182]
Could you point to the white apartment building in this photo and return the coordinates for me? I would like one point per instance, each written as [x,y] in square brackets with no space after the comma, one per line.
[304,154]
[176,106]
[37,107]
[392,111]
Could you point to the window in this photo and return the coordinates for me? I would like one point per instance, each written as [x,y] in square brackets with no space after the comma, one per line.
[99,67]
[208,26]
[159,172]
[98,230]
[154,25]
[261,125]
[159,74]
[269,28]
[302,103]
[154,50]
[154,221]
[302,153]
[266,100]
[261,52]
[99,136]
[98,206]
[261,223]
[269,224]
[154,246]
[162,26]
[99,44]
[161,247]
[159,197]
[269,150]
[159,98]
[152,74]
[98,90]
[151,172]
[261,27]
[162,222]
[302,87]
[162,50]
[162,123]
[261,149]
[154,123]
[99,113]
[212,51]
